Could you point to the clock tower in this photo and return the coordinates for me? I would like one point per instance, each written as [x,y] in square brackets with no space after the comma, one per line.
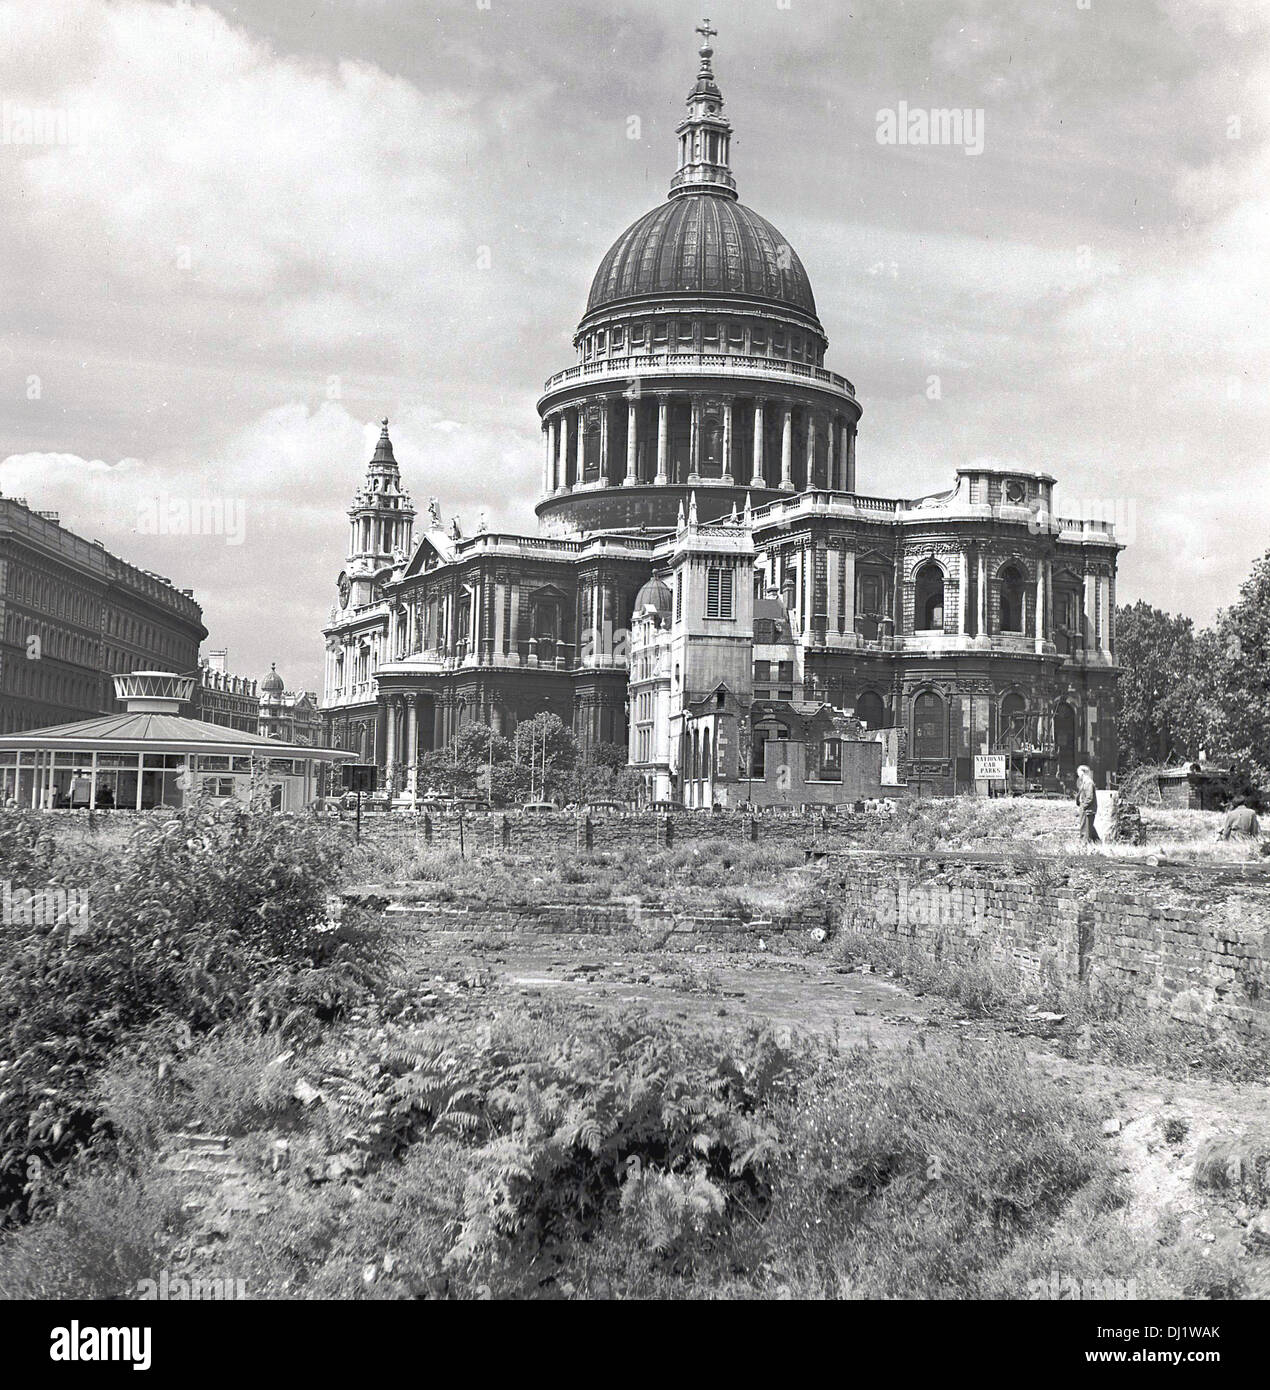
[380,523]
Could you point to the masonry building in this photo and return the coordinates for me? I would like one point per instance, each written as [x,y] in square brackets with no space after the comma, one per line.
[72,616]
[699,418]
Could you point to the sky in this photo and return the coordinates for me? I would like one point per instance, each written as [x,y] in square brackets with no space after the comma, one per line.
[247,232]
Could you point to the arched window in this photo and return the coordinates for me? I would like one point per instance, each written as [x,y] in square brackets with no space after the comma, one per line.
[870,711]
[1011,582]
[1012,718]
[1065,739]
[929,605]
[928,726]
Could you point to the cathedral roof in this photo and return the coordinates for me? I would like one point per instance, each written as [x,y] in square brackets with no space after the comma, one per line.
[701,243]
[655,595]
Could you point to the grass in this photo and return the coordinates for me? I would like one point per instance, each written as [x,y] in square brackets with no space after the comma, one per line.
[510,1148]
[622,1159]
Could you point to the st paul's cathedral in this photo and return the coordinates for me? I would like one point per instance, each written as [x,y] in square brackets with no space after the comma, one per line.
[707,575]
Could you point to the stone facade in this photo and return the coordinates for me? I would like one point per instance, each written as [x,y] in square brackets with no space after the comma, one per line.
[969,621]
[72,615]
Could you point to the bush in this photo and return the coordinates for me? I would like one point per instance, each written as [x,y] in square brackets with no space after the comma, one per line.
[110,1231]
[194,923]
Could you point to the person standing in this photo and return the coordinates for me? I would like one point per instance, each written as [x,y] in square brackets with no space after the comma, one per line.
[1087,804]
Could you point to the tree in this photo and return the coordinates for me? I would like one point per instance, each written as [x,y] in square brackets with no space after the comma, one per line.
[546,748]
[1164,704]
[1239,678]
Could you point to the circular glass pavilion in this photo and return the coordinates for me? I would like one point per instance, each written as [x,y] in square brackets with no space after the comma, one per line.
[151,757]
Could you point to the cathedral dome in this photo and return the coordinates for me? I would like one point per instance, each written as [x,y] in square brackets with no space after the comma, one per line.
[655,595]
[272,683]
[702,243]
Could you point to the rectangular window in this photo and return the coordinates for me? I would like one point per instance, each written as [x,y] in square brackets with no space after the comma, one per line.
[719,593]
[762,672]
[679,598]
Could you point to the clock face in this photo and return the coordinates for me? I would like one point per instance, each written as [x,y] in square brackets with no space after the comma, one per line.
[346,589]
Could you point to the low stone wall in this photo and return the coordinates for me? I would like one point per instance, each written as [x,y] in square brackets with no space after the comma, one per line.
[512,833]
[601,919]
[1198,951]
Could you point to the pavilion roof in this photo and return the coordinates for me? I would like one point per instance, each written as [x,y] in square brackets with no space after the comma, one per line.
[160,733]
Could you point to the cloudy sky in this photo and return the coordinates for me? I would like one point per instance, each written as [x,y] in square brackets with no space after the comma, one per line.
[270,224]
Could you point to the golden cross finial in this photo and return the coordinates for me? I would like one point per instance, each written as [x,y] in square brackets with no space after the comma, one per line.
[705,31]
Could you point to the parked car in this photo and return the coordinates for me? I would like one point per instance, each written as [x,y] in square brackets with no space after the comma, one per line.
[538,808]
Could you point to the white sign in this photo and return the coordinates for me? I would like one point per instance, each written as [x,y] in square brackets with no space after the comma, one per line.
[989,767]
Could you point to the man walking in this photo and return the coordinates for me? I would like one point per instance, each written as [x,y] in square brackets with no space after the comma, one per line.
[1086,804]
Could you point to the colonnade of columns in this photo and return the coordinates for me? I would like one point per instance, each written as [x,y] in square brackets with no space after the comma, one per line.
[677,437]
[405,735]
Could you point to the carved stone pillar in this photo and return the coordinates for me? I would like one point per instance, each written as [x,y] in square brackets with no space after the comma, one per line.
[663,431]
[810,481]
[787,450]
[562,460]
[727,440]
[757,479]
[632,421]
[390,747]
[694,443]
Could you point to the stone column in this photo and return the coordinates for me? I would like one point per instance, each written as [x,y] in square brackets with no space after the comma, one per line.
[579,449]
[848,592]
[787,450]
[412,741]
[390,746]
[831,454]
[727,440]
[963,579]
[604,440]
[983,595]
[663,431]
[632,420]
[851,458]
[1039,625]
[546,463]
[811,451]
[562,460]
[757,479]
[694,443]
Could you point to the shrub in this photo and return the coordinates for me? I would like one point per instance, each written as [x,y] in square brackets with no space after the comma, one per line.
[197,922]
[110,1231]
